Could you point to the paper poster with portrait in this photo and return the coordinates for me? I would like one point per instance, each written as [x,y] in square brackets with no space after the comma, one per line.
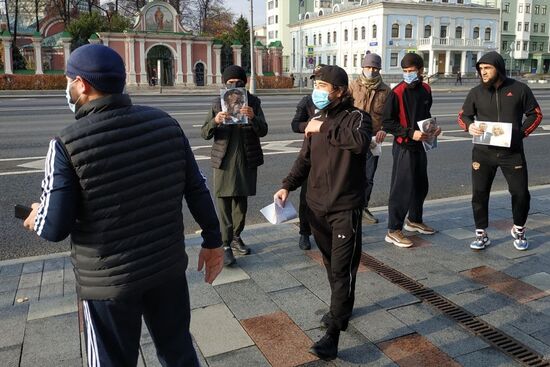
[159,19]
[494,133]
[232,100]
[429,126]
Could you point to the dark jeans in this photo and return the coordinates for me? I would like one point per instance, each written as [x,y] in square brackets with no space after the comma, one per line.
[305,228]
[372,165]
[338,236]
[232,215]
[409,186]
[514,168]
[113,328]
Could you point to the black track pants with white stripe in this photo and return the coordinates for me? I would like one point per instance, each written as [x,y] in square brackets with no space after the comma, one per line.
[338,236]
[113,328]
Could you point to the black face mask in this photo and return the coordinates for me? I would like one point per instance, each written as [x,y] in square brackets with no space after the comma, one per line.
[238,84]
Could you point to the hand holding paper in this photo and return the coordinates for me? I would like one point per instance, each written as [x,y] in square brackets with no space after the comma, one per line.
[279,211]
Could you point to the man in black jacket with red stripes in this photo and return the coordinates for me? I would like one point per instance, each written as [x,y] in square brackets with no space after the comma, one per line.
[409,102]
[499,99]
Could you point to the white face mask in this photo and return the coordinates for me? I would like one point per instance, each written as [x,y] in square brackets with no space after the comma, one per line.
[72,106]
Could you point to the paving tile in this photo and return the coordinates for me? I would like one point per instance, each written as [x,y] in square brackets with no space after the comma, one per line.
[69,289]
[52,276]
[8,284]
[216,330]
[543,336]
[459,233]
[480,301]
[377,324]
[11,270]
[415,350]
[419,242]
[505,284]
[29,294]
[316,256]
[372,288]
[7,298]
[52,341]
[520,316]
[54,264]
[52,307]
[539,280]
[149,354]
[246,357]
[10,356]
[29,280]
[502,224]
[294,261]
[201,294]
[438,330]
[267,274]
[246,299]
[315,279]
[302,306]
[280,340]
[12,325]
[446,283]
[33,267]
[488,357]
[230,274]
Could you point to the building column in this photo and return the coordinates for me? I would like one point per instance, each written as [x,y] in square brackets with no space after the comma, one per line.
[208,80]
[479,53]
[66,39]
[463,63]
[218,53]
[237,54]
[105,41]
[189,64]
[6,41]
[132,61]
[276,60]
[37,45]
[143,64]
[431,63]
[179,64]
[259,60]
[448,70]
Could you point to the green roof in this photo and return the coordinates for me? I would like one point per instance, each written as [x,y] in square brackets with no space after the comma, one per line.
[66,34]
[94,36]
[6,33]
[236,42]
[218,42]
[258,44]
[276,44]
[37,34]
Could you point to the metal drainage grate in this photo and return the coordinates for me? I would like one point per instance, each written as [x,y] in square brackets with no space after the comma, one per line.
[498,339]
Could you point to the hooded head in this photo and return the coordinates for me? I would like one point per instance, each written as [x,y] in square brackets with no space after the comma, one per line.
[493,58]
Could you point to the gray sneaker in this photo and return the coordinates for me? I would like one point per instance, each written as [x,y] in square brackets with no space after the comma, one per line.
[481,241]
[369,218]
[520,241]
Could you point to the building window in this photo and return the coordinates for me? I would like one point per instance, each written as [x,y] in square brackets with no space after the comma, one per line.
[276,34]
[526,27]
[507,7]
[443,31]
[427,31]
[393,59]
[528,8]
[345,35]
[537,9]
[518,45]
[306,43]
[270,5]
[328,59]
[374,31]
[460,1]
[533,46]
[458,32]
[544,10]
[535,27]
[320,42]
[328,38]
[476,33]
[408,31]
[276,3]
[395,30]
[345,61]
[520,9]
[504,26]
[543,27]
[519,26]
[355,34]
[487,34]
[334,36]
[314,40]
[363,33]
[504,45]
[444,1]
[355,60]
[333,59]
[525,45]
[541,46]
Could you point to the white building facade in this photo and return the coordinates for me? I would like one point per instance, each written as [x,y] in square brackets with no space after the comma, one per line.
[450,35]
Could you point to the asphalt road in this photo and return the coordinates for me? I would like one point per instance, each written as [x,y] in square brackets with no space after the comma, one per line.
[27,125]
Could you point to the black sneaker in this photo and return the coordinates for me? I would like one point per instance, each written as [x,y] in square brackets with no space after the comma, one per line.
[238,245]
[369,218]
[304,243]
[326,348]
[326,320]
[228,258]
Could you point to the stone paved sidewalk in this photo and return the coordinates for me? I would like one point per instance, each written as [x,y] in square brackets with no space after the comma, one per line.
[266,310]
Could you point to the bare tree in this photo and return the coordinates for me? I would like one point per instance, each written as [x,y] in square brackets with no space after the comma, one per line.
[7,14]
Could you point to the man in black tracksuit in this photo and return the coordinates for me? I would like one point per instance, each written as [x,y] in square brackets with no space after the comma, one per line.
[333,155]
[499,99]
[409,102]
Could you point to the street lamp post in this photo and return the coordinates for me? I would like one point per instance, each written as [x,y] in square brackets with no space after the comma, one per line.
[252,76]
[300,46]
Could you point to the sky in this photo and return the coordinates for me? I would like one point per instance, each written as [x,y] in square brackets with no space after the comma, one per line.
[243,7]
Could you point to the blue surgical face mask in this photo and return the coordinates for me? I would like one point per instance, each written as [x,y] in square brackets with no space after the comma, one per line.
[410,77]
[72,105]
[320,98]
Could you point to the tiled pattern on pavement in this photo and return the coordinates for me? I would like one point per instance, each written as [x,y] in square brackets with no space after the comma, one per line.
[266,310]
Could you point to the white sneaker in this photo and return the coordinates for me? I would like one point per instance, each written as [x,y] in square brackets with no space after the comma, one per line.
[520,241]
[481,241]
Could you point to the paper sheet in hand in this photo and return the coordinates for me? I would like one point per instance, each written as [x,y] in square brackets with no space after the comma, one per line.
[375,148]
[276,214]
[428,126]
[494,133]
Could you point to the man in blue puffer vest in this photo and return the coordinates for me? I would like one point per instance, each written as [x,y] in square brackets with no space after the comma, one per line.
[115,180]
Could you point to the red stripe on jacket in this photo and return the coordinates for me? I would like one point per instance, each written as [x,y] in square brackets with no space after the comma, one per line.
[536,123]
[461,121]
[403,120]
